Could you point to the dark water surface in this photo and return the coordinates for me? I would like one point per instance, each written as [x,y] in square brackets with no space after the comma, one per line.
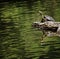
[18,40]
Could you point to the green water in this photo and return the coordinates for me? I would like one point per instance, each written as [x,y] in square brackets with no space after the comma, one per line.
[18,40]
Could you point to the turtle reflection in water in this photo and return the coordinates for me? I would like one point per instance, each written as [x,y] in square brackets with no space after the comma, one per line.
[48,26]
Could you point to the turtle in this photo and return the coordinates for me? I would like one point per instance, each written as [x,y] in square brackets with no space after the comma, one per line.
[46,17]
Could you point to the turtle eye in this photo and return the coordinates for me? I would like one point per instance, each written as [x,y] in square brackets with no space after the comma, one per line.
[44,17]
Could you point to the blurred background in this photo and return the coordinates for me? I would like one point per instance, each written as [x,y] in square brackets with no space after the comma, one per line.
[18,40]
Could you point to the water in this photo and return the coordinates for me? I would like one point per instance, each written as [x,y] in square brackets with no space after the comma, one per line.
[18,39]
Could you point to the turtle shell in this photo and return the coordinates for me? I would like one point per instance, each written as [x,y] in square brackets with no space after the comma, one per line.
[49,18]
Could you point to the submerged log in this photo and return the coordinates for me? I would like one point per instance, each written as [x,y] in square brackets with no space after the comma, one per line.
[48,24]
[48,27]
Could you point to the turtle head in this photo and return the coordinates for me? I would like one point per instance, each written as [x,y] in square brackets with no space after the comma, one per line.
[41,13]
